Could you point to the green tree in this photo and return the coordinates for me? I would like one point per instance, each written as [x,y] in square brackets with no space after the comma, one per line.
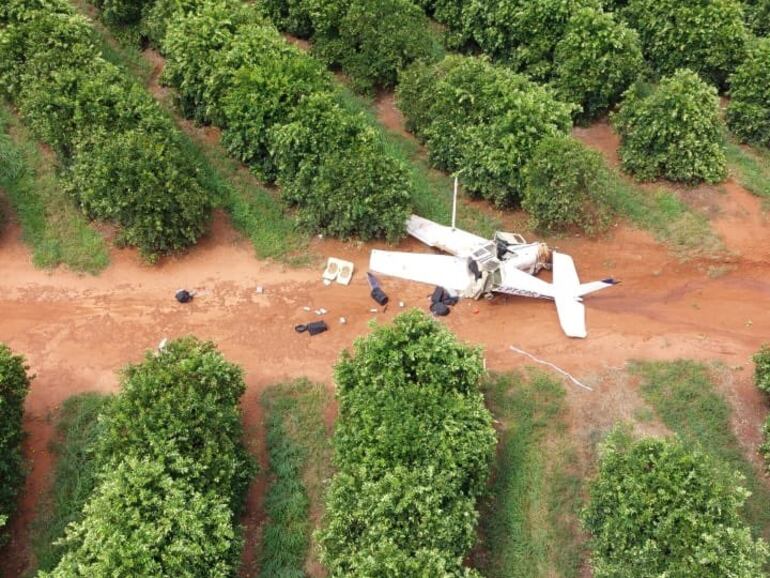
[706,36]
[481,118]
[658,508]
[522,33]
[748,113]
[413,444]
[596,61]
[758,16]
[673,130]
[14,386]
[172,472]
[372,40]
[567,185]
[762,368]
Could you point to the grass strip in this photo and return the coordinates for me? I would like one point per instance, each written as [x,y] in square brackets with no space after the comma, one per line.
[74,477]
[684,396]
[751,168]
[529,521]
[668,218]
[300,456]
[51,225]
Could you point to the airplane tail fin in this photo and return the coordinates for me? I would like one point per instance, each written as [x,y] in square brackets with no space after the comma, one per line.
[568,293]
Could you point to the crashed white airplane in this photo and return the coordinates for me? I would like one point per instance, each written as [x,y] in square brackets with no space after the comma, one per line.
[478,267]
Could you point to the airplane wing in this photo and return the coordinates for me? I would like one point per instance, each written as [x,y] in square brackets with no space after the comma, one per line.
[454,241]
[572,312]
[443,270]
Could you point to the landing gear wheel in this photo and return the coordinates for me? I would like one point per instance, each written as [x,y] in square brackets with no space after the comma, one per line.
[489,296]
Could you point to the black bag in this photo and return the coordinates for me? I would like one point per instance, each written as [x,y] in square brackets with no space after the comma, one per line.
[183,296]
[438,295]
[313,328]
[441,295]
[439,309]
[379,296]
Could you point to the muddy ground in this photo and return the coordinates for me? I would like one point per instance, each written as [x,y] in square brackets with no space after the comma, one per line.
[78,331]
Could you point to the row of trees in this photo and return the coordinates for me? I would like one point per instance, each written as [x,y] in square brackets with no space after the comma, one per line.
[121,156]
[762,380]
[282,115]
[14,385]
[173,472]
[413,444]
[660,508]
[370,40]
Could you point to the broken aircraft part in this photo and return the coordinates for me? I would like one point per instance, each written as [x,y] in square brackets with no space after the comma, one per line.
[478,267]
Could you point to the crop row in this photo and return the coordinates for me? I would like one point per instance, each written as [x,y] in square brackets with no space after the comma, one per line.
[173,472]
[482,119]
[14,385]
[413,445]
[121,155]
[281,114]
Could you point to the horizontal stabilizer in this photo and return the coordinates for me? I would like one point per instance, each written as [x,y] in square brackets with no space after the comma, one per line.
[594,286]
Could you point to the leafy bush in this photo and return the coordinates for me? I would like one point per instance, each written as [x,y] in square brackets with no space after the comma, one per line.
[523,33]
[748,113]
[14,385]
[372,40]
[567,185]
[70,97]
[596,61]
[758,16]
[133,178]
[292,16]
[762,368]
[764,449]
[482,119]
[413,444]
[673,130]
[707,36]
[660,509]
[173,472]
[117,12]
[232,68]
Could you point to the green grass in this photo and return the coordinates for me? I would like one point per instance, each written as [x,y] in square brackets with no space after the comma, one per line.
[51,223]
[751,168]
[684,396]
[74,477]
[299,455]
[529,522]
[670,220]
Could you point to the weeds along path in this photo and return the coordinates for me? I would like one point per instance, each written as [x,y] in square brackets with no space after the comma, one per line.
[733,215]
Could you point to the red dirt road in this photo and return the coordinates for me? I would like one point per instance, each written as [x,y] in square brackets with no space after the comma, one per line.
[77,332]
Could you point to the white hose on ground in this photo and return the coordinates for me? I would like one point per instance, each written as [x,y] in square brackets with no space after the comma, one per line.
[551,365]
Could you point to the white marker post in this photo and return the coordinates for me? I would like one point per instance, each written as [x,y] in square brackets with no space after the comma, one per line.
[454,204]
[454,198]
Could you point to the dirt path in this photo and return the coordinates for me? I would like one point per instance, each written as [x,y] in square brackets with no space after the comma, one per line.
[78,331]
